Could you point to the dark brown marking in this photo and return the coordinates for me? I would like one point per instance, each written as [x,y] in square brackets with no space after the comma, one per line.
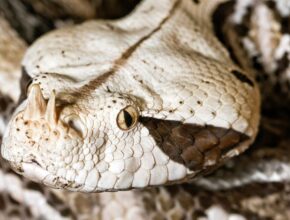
[2,203]
[108,89]
[65,211]
[196,1]
[28,213]
[34,186]
[24,83]
[213,155]
[193,145]
[242,77]
[192,158]
[14,213]
[285,27]
[282,64]
[205,140]
[54,200]
[12,200]
[5,100]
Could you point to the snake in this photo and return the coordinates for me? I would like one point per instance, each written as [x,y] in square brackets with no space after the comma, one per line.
[150,99]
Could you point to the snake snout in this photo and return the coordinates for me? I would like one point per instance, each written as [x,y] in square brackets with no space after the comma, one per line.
[39,109]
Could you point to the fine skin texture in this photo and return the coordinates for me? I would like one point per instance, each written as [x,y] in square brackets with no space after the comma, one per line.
[88,123]
[22,199]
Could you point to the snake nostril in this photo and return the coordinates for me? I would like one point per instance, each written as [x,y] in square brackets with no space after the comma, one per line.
[74,122]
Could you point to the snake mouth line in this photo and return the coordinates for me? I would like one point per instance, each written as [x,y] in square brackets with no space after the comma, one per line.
[34,172]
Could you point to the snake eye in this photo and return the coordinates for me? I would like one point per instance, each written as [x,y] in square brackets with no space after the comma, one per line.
[127,118]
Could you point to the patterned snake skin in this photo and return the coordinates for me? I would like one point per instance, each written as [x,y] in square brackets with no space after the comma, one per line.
[187,202]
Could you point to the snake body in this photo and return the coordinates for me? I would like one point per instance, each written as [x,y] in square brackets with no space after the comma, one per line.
[195,108]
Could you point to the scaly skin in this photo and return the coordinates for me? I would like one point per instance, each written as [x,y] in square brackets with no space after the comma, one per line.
[170,202]
[190,108]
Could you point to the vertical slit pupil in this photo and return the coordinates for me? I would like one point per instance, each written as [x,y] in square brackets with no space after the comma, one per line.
[128,119]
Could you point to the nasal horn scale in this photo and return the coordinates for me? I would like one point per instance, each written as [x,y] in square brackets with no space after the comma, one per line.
[36,105]
[50,114]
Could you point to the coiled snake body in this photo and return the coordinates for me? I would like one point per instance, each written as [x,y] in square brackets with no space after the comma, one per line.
[150,99]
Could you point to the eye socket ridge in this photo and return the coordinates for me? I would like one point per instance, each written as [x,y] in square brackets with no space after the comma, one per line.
[127,118]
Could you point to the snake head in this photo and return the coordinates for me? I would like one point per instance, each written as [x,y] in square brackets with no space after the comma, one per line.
[145,105]
[104,149]
[112,147]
